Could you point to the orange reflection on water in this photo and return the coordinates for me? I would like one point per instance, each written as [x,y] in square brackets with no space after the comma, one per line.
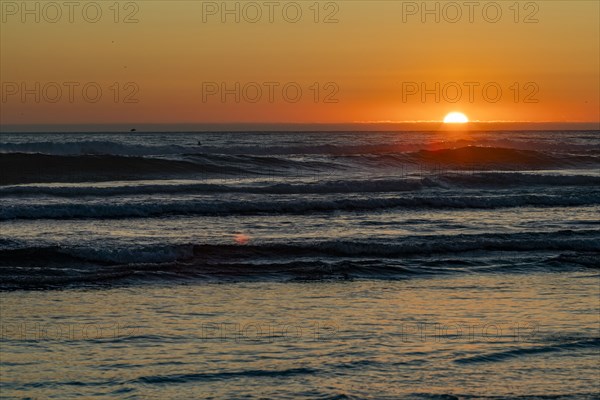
[241,239]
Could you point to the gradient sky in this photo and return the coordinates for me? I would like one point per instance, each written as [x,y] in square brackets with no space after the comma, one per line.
[368,54]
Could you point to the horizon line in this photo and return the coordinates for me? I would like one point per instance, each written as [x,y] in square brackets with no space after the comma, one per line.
[137,127]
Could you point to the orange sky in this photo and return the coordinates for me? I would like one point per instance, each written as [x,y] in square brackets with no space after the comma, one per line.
[176,57]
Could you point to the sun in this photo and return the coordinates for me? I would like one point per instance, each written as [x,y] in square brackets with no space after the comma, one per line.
[456,118]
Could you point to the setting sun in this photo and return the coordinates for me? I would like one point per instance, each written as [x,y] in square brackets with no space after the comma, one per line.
[396,193]
[456,118]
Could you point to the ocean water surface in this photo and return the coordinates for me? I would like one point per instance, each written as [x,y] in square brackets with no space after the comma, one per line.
[300,265]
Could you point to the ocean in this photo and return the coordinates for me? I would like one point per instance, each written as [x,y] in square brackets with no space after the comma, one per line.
[330,265]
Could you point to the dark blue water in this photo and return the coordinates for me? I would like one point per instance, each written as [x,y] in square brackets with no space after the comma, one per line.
[315,265]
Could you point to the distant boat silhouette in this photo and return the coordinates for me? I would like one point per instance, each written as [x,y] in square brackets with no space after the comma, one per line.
[133,130]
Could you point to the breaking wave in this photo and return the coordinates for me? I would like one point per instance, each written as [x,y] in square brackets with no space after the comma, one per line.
[154,208]
[23,267]
[30,168]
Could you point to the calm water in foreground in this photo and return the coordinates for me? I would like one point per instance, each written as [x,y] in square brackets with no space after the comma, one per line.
[306,265]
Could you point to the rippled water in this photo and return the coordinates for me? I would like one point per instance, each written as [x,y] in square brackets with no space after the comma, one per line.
[286,265]
[500,335]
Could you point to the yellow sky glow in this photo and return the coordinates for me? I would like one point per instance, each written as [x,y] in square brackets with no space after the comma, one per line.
[180,63]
